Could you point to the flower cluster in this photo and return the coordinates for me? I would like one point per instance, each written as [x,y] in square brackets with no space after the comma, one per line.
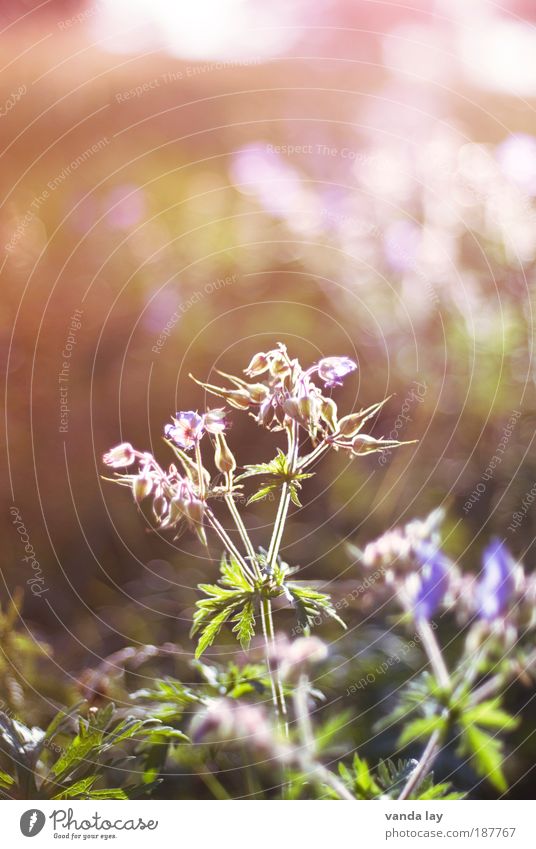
[501,597]
[285,397]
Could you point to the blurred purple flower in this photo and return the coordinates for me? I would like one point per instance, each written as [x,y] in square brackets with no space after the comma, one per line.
[332,370]
[186,430]
[434,580]
[400,245]
[496,585]
[260,171]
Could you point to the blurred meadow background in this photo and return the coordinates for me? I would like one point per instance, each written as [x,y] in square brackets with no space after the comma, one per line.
[186,184]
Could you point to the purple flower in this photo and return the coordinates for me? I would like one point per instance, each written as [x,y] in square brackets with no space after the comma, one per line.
[496,586]
[331,370]
[186,430]
[434,580]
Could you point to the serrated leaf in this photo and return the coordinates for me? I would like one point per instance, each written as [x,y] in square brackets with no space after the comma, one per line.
[419,728]
[212,629]
[485,752]
[261,493]
[245,624]
[490,715]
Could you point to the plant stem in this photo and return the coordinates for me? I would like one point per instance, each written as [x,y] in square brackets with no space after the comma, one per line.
[423,767]
[200,470]
[278,693]
[433,652]
[284,501]
[229,544]
[241,528]
[314,455]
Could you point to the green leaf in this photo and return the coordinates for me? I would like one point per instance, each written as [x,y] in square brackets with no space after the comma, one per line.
[245,624]
[211,631]
[261,493]
[110,793]
[419,728]
[485,752]
[490,715]
[79,789]
[5,779]
[77,753]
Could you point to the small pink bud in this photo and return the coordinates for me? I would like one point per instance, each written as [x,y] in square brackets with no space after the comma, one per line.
[121,455]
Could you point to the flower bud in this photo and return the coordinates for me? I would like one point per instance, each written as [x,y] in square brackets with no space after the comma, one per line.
[328,411]
[258,365]
[279,366]
[160,507]
[194,510]
[350,425]
[223,456]
[121,455]
[214,420]
[237,398]
[142,486]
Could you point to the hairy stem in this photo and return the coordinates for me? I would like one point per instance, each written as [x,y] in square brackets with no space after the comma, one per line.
[284,501]
[424,766]
[241,528]
[229,544]
[278,693]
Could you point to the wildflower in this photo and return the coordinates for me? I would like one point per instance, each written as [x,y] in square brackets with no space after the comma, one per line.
[186,430]
[433,577]
[214,420]
[293,658]
[121,455]
[497,584]
[332,370]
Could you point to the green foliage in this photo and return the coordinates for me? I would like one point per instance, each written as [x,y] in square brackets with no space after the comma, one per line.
[235,599]
[310,604]
[277,472]
[73,758]
[389,780]
[485,750]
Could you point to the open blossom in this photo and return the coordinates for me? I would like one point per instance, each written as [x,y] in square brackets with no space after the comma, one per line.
[497,583]
[186,430]
[434,580]
[332,370]
[121,455]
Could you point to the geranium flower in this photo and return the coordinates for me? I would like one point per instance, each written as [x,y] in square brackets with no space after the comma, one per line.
[497,583]
[186,430]
[433,580]
[332,370]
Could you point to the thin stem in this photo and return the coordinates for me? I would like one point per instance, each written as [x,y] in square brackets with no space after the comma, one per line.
[241,528]
[200,470]
[277,686]
[314,455]
[268,659]
[229,544]
[433,652]
[424,766]
[284,502]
